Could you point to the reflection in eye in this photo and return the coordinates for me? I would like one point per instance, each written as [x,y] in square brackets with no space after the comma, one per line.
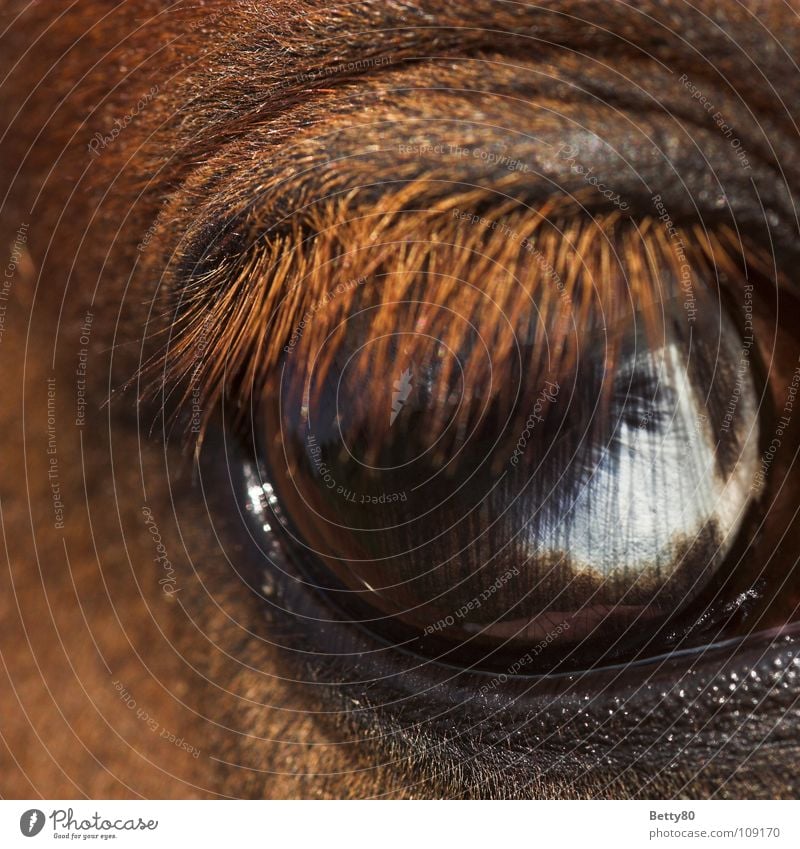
[581,494]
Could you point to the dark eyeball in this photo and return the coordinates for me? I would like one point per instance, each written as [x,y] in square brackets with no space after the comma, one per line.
[582,510]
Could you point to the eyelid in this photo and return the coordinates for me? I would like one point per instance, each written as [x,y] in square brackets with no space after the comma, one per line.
[244,233]
[526,118]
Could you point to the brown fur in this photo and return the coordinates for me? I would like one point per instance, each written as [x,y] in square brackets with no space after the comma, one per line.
[247,94]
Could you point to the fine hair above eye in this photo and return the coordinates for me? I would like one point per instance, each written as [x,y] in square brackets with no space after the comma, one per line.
[555,275]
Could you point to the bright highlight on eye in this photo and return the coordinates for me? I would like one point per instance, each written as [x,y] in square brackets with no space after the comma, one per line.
[464,476]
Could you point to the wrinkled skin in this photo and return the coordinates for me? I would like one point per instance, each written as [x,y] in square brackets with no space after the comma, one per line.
[275,707]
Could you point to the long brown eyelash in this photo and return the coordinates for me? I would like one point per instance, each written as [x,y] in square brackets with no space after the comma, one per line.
[233,322]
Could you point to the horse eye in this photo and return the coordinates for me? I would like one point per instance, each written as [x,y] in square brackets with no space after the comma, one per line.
[470,483]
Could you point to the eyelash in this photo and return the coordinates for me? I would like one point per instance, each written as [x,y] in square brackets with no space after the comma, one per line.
[235,315]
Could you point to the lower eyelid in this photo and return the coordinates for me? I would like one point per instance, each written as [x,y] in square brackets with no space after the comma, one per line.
[602,706]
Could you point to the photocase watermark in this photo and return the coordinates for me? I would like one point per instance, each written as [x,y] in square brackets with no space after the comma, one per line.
[685,271]
[547,396]
[10,271]
[490,157]
[474,603]
[80,371]
[529,657]
[153,228]
[52,457]
[327,480]
[65,825]
[342,69]
[524,242]
[152,723]
[696,433]
[569,153]
[206,21]
[100,141]
[316,306]
[744,358]
[768,457]
[149,233]
[168,581]
[31,822]
[194,378]
[717,117]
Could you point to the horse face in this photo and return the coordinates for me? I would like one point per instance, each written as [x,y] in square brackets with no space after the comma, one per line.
[419,253]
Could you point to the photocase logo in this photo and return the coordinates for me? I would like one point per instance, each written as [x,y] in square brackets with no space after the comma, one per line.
[31,822]
[402,389]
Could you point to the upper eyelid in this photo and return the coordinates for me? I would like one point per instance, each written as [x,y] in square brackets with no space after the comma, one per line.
[231,221]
